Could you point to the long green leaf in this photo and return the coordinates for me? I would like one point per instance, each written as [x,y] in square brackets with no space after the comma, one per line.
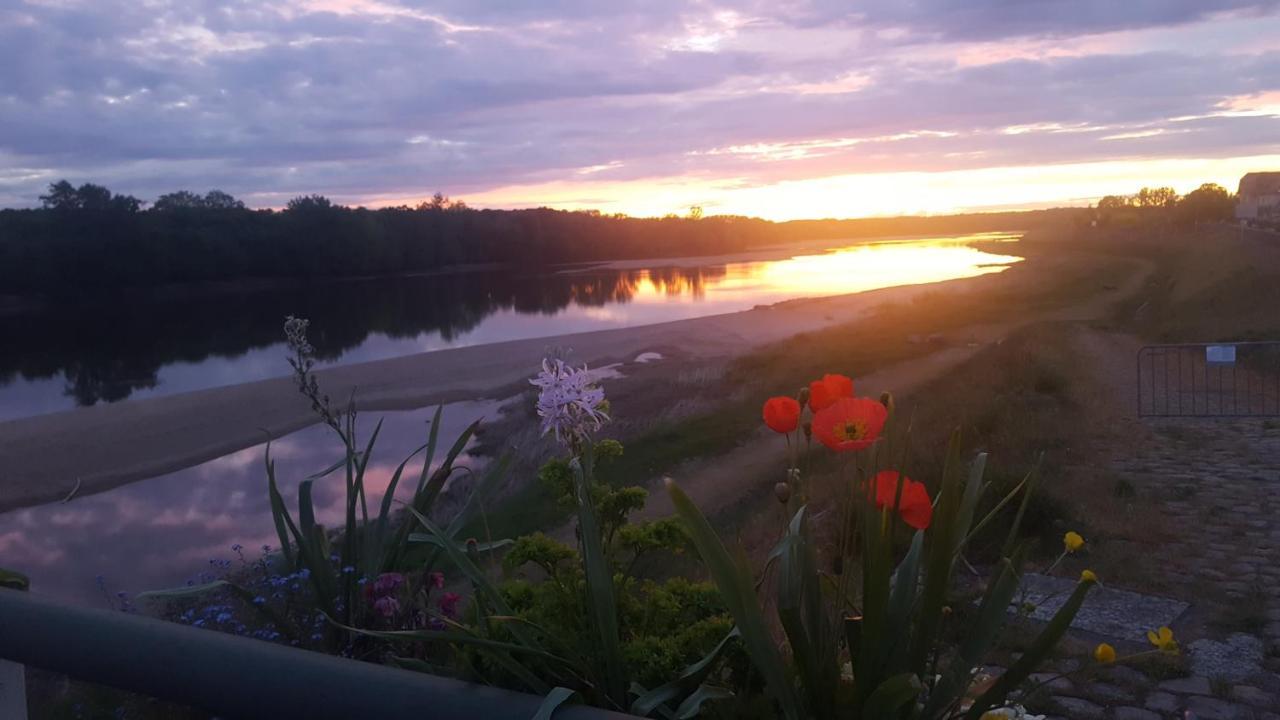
[482,584]
[1034,655]
[433,436]
[427,539]
[279,513]
[940,557]
[891,696]
[602,605]
[902,601]
[1016,525]
[973,491]
[692,705]
[377,563]
[690,678]
[552,701]
[501,652]
[804,618]
[14,580]
[978,638]
[738,593]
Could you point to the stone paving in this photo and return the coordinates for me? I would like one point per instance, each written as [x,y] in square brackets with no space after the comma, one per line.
[1218,482]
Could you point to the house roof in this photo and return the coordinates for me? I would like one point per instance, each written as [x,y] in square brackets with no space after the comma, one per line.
[1260,183]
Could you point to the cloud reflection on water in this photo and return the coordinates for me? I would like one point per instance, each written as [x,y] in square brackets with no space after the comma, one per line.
[158,533]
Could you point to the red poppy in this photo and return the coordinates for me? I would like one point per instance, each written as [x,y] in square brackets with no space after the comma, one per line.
[781,414]
[850,423]
[914,507]
[824,392]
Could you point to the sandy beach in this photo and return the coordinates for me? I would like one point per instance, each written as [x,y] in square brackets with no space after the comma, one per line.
[96,448]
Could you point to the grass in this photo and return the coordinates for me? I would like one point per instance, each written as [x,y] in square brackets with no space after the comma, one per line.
[724,405]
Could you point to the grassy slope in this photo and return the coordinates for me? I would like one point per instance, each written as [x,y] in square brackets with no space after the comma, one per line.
[1050,279]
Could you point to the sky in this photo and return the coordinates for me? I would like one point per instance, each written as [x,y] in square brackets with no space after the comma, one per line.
[774,108]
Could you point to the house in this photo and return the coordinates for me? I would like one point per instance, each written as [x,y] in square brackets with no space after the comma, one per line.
[1259,198]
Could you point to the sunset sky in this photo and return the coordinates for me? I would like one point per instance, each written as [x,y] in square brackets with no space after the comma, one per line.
[781,109]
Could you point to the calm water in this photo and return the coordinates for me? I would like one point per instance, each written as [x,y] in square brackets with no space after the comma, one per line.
[162,532]
[142,347]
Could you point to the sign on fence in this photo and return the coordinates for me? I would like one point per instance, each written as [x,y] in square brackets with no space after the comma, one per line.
[1220,354]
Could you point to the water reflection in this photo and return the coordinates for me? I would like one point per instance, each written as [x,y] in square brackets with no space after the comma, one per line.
[160,532]
[146,345]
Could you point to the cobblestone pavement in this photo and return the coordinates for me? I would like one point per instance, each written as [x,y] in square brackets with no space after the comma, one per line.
[1218,483]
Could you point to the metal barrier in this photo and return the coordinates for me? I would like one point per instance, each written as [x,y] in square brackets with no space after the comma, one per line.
[1209,380]
[237,677]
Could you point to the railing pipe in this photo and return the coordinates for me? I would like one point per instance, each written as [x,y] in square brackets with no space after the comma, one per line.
[236,677]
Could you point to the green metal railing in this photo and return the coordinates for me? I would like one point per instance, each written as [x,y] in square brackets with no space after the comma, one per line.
[237,677]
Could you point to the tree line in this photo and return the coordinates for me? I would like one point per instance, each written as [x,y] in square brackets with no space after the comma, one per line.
[88,239]
[1208,203]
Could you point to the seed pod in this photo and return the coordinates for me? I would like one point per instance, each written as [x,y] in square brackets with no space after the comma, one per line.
[803,396]
[886,399]
[782,491]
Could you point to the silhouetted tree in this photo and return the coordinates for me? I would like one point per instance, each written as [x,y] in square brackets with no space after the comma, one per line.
[218,200]
[1208,203]
[1161,197]
[86,239]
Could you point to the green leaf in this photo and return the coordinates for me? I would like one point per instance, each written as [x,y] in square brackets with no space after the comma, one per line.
[738,592]
[692,705]
[553,700]
[14,580]
[602,606]
[426,539]
[979,635]
[690,678]
[906,586]
[432,437]
[891,696]
[483,586]
[1034,656]
[500,652]
[279,513]
[804,618]
[1016,525]
[969,505]
[939,552]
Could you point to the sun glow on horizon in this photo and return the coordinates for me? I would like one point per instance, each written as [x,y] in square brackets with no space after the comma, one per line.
[878,194]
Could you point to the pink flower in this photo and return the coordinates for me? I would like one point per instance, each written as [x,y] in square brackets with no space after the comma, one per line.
[436,579]
[386,606]
[449,604]
[387,583]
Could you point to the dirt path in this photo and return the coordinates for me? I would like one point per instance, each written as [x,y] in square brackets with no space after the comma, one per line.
[719,481]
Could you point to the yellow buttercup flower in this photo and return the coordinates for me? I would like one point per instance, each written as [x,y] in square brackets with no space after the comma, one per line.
[1072,541]
[1163,639]
[1104,654]
[1088,576]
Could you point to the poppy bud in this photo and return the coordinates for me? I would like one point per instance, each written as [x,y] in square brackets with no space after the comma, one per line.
[886,399]
[782,491]
[803,396]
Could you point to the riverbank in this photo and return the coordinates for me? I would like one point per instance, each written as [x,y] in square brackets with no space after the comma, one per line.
[93,449]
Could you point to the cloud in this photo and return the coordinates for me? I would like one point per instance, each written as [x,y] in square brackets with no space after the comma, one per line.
[374,100]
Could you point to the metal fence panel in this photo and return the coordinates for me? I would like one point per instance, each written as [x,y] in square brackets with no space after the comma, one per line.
[237,677]
[1209,380]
